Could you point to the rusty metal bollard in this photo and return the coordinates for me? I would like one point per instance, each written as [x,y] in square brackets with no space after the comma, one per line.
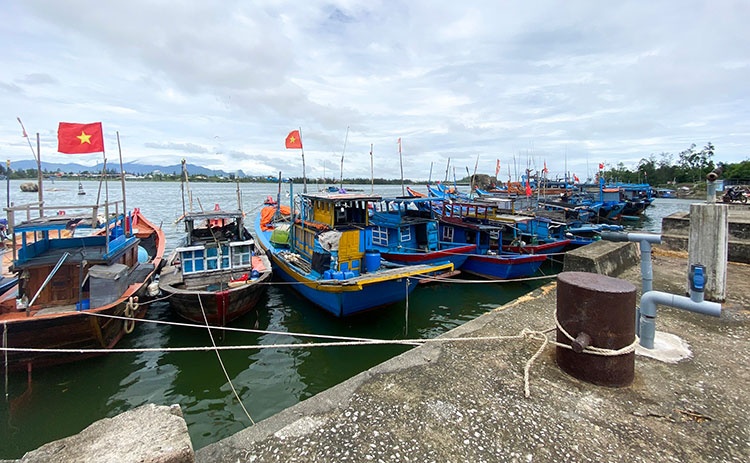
[598,311]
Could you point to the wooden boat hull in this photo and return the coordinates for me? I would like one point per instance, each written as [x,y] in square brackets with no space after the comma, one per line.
[503,267]
[221,306]
[65,327]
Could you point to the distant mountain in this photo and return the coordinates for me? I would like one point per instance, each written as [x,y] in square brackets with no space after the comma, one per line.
[129,167]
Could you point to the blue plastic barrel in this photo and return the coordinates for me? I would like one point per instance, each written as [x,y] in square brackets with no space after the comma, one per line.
[372,260]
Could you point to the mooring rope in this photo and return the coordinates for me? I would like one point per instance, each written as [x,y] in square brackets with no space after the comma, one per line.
[221,362]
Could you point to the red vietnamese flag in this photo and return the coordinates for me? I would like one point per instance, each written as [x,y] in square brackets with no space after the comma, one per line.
[575,178]
[528,187]
[497,168]
[601,165]
[293,140]
[80,138]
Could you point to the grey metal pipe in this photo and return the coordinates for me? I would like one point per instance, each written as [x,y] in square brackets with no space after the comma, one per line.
[649,301]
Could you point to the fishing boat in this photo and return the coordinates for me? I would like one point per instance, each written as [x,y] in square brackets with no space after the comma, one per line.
[405,231]
[81,276]
[325,251]
[217,275]
[483,226]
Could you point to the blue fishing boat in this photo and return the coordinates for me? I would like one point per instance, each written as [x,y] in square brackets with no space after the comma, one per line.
[326,252]
[636,196]
[519,233]
[406,232]
[481,225]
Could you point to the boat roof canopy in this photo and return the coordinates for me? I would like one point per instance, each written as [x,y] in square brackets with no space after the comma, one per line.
[337,197]
[215,214]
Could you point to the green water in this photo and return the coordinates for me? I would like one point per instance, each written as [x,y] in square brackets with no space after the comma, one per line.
[63,400]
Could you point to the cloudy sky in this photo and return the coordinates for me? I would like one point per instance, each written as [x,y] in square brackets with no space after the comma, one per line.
[221,84]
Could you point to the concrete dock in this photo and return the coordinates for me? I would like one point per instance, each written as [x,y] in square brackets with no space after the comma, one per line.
[464,401]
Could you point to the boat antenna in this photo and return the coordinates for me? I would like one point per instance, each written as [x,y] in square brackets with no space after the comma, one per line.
[341,179]
[429,179]
[447,170]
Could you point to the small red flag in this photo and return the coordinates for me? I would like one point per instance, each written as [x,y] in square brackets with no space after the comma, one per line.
[293,140]
[575,178]
[497,168]
[545,168]
[601,165]
[528,187]
[80,138]
[399,146]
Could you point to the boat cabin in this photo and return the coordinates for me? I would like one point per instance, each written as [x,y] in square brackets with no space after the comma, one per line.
[78,267]
[334,232]
[215,241]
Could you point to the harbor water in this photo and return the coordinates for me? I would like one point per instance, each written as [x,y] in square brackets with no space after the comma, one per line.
[56,402]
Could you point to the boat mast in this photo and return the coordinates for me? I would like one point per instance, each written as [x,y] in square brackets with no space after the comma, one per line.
[37,158]
[122,180]
[341,179]
[372,173]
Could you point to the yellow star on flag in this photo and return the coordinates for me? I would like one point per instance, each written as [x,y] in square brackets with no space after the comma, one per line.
[84,138]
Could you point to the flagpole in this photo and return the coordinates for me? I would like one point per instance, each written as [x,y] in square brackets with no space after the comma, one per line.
[7,183]
[372,173]
[401,162]
[39,175]
[122,180]
[304,176]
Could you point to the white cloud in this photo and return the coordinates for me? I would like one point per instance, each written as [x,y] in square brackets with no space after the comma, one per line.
[561,81]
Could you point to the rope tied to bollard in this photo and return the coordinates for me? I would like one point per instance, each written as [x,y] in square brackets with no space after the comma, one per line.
[593,350]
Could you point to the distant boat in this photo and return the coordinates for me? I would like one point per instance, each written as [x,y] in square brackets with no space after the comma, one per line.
[80,189]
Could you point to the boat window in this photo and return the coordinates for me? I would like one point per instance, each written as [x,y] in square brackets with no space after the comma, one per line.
[212,258]
[192,260]
[448,234]
[380,236]
[405,234]
[242,256]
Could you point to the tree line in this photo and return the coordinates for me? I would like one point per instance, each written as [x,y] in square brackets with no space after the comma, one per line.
[691,165]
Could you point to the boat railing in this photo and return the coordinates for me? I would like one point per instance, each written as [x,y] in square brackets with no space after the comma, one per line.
[27,221]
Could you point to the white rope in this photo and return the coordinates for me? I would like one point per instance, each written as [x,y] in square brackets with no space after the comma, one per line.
[593,350]
[223,368]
